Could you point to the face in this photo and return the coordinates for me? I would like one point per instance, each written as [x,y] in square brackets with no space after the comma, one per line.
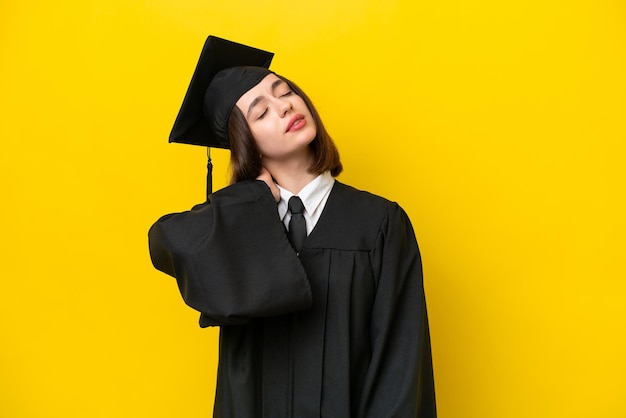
[278,119]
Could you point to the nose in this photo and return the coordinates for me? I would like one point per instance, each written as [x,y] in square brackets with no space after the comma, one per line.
[283,107]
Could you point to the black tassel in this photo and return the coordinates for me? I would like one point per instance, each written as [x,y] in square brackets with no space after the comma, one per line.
[209,175]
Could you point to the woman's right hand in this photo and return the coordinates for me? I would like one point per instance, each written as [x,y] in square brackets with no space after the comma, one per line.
[267,178]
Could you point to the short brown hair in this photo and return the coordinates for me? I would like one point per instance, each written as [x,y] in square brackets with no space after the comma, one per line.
[245,158]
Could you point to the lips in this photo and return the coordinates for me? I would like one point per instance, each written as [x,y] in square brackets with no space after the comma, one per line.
[295,123]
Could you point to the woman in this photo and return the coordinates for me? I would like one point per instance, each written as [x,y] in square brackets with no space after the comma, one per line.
[332,323]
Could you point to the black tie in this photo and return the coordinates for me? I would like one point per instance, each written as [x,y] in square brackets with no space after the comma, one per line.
[297,224]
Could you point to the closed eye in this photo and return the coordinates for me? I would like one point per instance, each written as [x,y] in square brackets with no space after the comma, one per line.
[262,115]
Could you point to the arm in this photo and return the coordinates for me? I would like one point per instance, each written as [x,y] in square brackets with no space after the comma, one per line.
[231,257]
[399,380]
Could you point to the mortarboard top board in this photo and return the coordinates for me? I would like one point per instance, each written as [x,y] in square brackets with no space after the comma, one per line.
[203,116]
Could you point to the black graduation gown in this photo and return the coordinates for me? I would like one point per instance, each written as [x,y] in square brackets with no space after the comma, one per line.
[339,330]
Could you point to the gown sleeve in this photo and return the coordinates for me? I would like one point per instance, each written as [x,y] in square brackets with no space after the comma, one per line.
[399,380]
[231,257]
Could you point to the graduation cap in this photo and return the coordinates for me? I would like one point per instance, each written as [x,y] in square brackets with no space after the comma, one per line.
[225,71]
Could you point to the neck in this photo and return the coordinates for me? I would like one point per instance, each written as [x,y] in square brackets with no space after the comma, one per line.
[292,175]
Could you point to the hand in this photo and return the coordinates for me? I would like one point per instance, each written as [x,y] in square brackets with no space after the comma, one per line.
[267,178]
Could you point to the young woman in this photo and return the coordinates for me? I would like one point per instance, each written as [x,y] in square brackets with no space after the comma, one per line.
[329,324]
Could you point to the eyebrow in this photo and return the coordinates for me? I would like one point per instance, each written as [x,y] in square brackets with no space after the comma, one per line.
[260,98]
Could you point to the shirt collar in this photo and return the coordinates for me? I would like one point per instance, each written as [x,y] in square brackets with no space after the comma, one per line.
[311,195]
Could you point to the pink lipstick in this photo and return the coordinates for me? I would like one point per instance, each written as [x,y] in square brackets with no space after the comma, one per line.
[296,123]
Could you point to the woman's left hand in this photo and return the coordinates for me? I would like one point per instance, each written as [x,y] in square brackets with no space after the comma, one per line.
[267,178]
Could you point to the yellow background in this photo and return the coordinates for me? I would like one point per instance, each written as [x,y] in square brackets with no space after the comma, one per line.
[499,126]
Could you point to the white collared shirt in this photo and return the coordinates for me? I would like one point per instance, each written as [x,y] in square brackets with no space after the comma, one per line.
[314,196]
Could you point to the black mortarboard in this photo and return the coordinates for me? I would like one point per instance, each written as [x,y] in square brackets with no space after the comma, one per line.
[225,71]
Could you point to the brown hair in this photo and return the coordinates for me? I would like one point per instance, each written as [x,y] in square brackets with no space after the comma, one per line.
[245,158]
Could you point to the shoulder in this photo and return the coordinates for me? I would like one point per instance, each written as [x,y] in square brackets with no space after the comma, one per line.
[247,200]
[355,219]
[363,201]
[242,192]
[377,212]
